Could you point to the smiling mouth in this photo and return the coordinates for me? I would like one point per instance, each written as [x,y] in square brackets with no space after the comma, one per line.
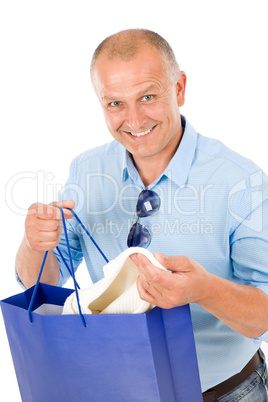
[141,134]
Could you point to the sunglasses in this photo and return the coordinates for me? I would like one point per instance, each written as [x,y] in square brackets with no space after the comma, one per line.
[148,203]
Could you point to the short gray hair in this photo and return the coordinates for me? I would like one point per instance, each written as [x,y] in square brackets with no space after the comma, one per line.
[124,45]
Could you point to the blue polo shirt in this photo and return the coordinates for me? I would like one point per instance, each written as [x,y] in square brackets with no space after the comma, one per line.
[214,209]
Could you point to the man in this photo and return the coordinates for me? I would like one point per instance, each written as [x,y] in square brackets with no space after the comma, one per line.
[210,232]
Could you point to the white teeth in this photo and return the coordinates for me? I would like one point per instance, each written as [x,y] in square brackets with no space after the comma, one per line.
[140,134]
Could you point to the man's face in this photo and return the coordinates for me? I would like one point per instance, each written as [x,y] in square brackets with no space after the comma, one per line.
[141,106]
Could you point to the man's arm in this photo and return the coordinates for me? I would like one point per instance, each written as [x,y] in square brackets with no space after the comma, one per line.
[43,226]
[243,308]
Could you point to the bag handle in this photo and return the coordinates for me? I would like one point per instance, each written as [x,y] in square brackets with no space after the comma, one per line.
[91,238]
[87,232]
[70,269]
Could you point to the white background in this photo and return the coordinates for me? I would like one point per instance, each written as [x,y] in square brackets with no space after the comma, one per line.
[49,112]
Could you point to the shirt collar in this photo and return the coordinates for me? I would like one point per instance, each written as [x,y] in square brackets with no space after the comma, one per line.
[178,168]
[129,169]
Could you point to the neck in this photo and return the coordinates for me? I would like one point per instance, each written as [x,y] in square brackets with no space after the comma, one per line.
[151,167]
[149,170]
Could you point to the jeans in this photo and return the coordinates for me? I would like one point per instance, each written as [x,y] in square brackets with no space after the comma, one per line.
[253,389]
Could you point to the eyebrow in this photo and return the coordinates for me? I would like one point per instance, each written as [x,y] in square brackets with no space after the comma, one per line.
[105,97]
[147,90]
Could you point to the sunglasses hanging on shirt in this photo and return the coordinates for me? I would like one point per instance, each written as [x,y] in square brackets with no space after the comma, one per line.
[148,203]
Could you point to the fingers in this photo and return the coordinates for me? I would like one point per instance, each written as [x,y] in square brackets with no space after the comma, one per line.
[143,292]
[51,211]
[146,267]
[154,284]
[41,240]
[43,224]
[153,293]
[65,204]
[151,273]
[184,281]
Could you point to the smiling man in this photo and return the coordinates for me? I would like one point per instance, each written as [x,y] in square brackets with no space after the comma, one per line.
[141,99]
[184,183]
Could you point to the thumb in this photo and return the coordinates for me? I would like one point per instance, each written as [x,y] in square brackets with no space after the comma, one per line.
[65,205]
[172,263]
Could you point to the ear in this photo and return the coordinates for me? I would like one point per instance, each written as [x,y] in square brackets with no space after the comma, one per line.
[181,87]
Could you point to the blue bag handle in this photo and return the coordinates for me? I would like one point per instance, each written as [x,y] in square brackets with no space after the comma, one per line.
[70,269]
[87,232]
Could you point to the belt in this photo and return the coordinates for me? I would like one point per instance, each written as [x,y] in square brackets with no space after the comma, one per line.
[224,387]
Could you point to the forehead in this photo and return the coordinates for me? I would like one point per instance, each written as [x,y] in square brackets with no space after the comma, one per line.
[115,77]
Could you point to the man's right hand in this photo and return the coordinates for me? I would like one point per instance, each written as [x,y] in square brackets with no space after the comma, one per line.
[43,224]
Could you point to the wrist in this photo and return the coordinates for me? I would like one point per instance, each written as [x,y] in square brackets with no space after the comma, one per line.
[209,287]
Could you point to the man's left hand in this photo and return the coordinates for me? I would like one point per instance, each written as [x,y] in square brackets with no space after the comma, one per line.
[186,282]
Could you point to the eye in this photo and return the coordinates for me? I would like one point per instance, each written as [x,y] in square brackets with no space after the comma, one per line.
[147,98]
[115,103]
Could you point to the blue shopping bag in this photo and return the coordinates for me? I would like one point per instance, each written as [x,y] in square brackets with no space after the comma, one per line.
[119,357]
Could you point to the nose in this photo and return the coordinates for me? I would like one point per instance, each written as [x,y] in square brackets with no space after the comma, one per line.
[134,118]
